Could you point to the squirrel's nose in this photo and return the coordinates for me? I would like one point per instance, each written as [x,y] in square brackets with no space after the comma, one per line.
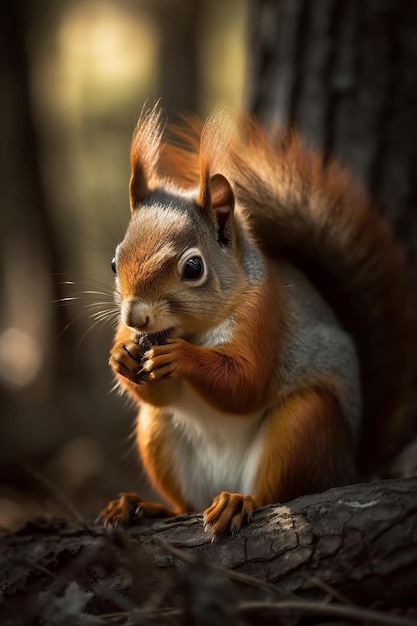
[139,323]
[136,315]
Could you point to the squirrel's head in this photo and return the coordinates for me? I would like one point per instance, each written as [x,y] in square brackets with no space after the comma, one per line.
[177,269]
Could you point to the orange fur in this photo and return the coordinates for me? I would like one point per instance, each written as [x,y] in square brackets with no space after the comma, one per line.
[308,448]
[155,449]
[179,158]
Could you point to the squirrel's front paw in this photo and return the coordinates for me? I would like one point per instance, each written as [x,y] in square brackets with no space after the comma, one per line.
[127,358]
[228,513]
[129,509]
[165,360]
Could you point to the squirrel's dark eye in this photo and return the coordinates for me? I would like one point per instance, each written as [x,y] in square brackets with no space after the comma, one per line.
[113,265]
[193,268]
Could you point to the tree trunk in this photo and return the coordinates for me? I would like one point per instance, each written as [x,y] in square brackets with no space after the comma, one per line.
[178,67]
[343,73]
[321,554]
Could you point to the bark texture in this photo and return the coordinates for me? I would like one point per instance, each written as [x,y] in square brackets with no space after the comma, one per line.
[343,73]
[350,546]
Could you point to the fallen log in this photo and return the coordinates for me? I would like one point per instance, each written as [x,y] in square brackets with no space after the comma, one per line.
[329,554]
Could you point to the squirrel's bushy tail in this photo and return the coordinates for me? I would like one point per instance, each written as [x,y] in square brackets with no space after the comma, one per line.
[313,215]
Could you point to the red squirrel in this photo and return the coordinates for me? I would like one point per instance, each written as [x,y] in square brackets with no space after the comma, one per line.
[265,323]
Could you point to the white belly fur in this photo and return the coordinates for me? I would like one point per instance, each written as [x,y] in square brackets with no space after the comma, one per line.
[213,451]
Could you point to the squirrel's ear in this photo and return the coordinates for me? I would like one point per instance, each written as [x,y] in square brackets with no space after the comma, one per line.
[215,194]
[144,155]
[220,200]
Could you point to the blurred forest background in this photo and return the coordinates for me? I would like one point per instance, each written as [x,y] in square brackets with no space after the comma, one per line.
[74,77]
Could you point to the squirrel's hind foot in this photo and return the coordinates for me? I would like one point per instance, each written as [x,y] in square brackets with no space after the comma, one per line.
[129,510]
[228,513]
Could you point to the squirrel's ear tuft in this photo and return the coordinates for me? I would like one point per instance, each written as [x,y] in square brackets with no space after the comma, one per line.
[215,195]
[144,154]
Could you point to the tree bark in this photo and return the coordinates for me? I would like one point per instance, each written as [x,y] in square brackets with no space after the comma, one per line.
[355,545]
[343,73]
